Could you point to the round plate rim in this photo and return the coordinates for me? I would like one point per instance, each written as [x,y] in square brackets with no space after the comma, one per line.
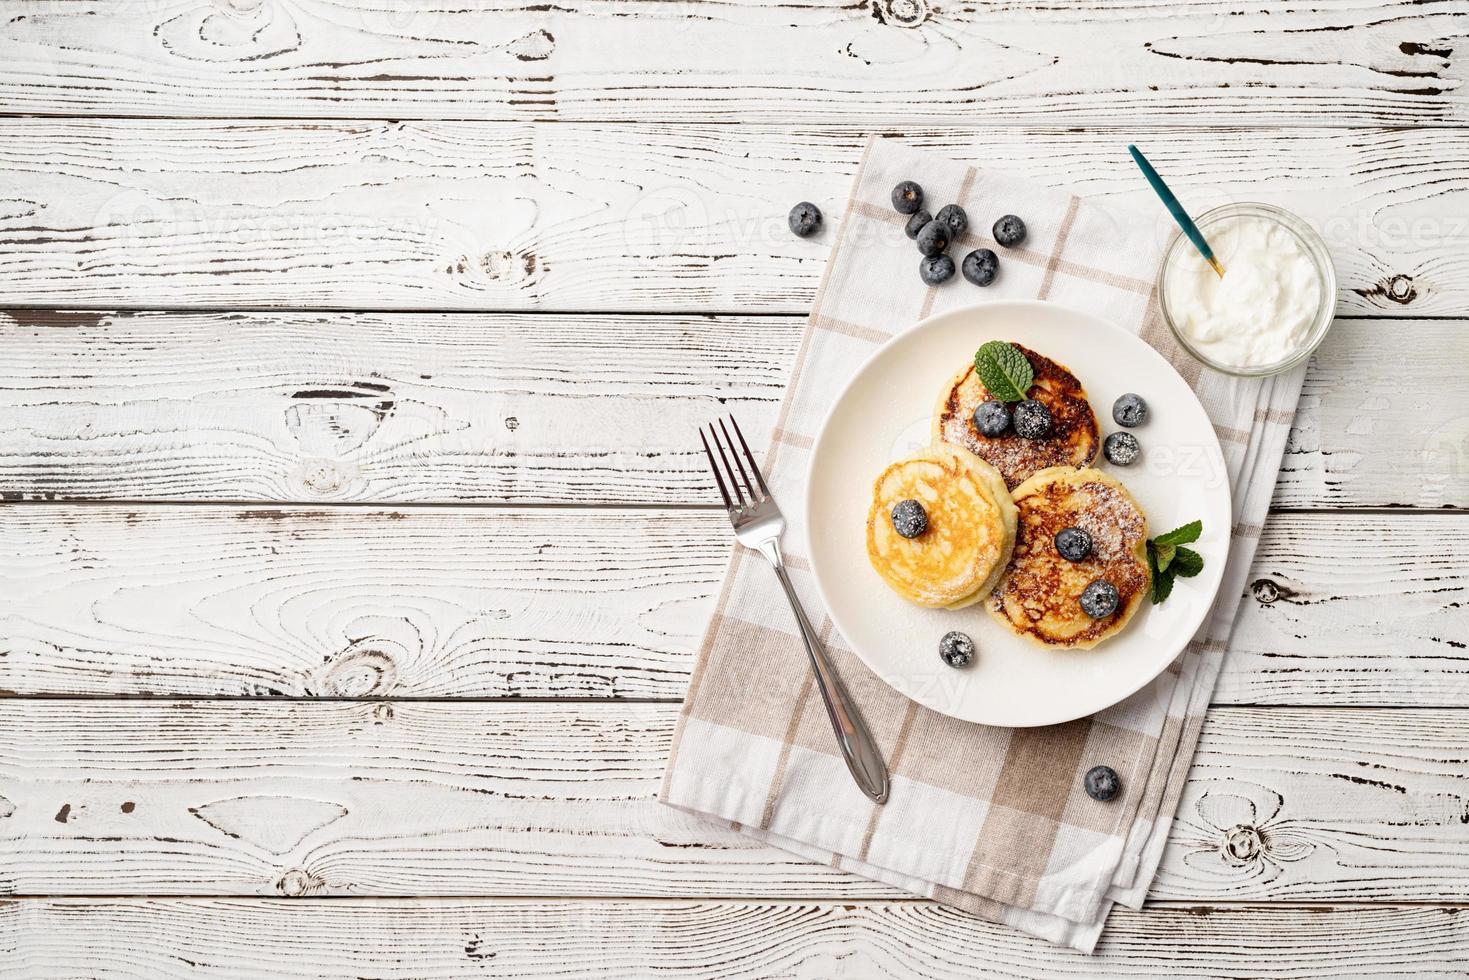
[995,307]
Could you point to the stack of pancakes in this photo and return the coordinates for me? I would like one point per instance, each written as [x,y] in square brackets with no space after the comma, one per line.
[994,506]
[971,528]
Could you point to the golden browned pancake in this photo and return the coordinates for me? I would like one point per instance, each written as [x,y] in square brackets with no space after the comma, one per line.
[1073,440]
[1038,597]
[971,528]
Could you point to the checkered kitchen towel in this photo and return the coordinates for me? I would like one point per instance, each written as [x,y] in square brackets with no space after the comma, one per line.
[992,820]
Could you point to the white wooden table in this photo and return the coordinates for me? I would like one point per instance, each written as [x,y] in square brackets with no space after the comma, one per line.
[354,546]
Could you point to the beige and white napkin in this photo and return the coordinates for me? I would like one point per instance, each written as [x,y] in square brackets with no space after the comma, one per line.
[991,820]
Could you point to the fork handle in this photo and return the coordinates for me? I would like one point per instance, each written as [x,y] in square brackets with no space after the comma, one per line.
[858,749]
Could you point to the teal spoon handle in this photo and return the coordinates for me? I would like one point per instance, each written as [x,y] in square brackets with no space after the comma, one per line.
[1176,209]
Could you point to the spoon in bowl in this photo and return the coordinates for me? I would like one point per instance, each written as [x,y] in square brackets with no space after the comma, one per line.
[1176,209]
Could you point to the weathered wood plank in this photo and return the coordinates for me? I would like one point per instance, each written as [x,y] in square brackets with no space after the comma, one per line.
[474,798]
[1306,805]
[351,603]
[874,61]
[1364,609]
[1362,439]
[453,215]
[427,939]
[202,601]
[582,409]
[566,409]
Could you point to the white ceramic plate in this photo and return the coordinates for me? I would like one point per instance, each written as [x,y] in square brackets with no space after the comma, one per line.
[884,414]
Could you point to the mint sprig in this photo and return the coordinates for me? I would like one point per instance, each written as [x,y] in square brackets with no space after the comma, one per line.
[1187,534]
[1006,372]
[1168,557]
[1187,563]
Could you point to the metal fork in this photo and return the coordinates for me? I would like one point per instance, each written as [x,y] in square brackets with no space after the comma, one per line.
[758,525]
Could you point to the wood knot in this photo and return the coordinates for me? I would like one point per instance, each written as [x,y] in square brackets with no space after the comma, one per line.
[322,476]
[1400,289]
[1267,590]
[900,13]
[496,264]
[367,668]
[535,46]
[296,882]
[1241,845]
[238,31]
[382,714]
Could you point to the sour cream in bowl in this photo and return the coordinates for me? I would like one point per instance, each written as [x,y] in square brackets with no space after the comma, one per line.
[1273,305]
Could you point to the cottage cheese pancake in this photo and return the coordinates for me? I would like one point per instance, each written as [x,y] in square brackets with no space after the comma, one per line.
[1039,595]
[969,532]
[1072,441]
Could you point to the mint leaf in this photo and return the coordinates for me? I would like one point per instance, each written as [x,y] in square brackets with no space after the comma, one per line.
[1187,534]
[1162,581]
[1187,562]
[1165,554]
[1004,370]
[1168,557]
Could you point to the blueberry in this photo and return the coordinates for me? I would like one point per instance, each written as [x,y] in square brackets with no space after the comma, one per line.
[957,649]
[909,518]
[1032,419]
[804,219]
[1130,410]
[955,218]
[1009,231]
[907,197]
[1122,448]
[933,238]
[1099,599]
[981,266]
[915,224]
[992,418]
[936,269]
[1101,783]
[1073,544]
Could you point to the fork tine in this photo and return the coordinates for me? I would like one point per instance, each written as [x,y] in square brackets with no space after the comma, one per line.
[728,470]
[754,467]
[714,468]
[739,465]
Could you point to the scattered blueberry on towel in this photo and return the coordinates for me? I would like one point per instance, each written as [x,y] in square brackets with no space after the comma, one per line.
[907,197]
[936,269]
[981,266]
[1101,783]
[915,224]
[1009,231]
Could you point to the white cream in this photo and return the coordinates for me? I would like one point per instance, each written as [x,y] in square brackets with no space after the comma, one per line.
[1262,310]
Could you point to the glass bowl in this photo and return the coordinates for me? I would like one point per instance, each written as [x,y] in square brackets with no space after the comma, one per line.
[1311,244]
